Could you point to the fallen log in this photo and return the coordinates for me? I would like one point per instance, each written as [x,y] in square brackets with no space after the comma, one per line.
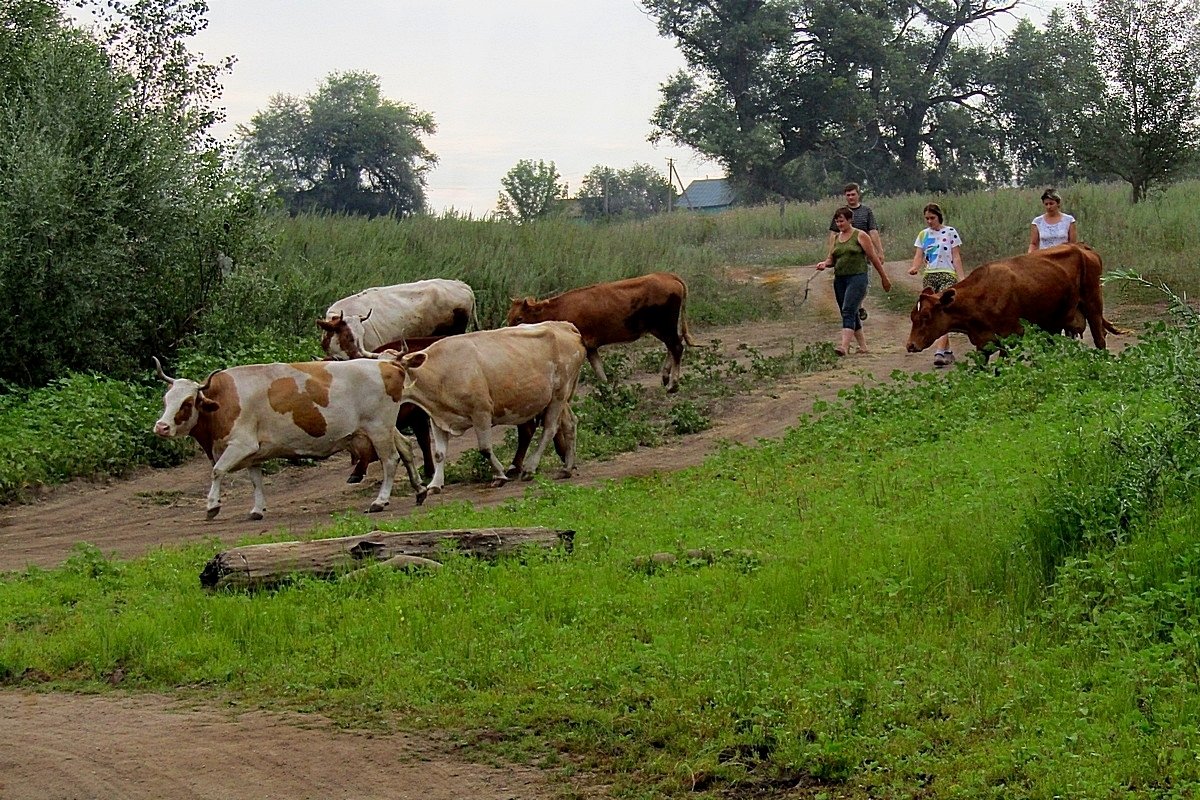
[259,565]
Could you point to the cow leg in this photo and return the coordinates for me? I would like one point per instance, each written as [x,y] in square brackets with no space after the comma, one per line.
[593,357]
[441,442]
[386,447]
[672,364]
[260,500]
[552,420]
[564,441]
[419,425]
[525,432]
[483,433]
[226,463]
[361,455]
[404,450]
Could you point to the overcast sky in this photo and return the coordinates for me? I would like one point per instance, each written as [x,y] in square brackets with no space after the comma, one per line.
[568,81]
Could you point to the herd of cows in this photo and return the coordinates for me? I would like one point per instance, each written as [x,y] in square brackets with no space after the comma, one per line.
[400,358]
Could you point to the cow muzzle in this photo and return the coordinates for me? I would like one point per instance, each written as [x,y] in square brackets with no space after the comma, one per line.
[912,348]
[162,429]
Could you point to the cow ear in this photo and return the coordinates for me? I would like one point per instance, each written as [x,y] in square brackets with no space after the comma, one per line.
[413,360]
[948,296]
[206,404]
[928,292]
[326,325]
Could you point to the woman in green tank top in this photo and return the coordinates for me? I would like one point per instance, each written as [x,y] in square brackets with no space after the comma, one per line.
[849,253]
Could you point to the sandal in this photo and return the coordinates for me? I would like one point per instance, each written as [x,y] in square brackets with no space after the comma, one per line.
[839,351]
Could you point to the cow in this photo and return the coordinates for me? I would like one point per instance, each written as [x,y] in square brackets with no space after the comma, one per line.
[365,322]
[243,416]
[1056,289]
[618,312]
[509,376]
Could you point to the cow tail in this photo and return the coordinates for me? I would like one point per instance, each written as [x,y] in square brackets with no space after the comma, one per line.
[1113,329]
[683,326]
[474,312]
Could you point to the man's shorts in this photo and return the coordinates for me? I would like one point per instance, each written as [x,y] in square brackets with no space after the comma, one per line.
[938,280]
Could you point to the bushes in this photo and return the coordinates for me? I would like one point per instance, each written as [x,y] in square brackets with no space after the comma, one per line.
[113,218]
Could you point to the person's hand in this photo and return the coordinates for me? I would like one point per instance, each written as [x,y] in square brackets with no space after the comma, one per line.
[821,265]
[913,271]
[887,284]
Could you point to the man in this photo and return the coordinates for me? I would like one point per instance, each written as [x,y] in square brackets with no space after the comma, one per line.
[864,220]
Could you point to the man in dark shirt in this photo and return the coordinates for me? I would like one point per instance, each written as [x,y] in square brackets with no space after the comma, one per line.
[864,219]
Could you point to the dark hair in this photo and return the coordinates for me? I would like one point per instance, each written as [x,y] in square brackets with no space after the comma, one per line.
[934,208]
[1052,194]
[851,187]
[845,213]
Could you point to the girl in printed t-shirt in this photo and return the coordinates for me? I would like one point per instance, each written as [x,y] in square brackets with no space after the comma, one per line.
[1053,227]
[936,256]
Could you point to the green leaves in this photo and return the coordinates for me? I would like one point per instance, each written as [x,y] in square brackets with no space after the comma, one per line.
[531,190]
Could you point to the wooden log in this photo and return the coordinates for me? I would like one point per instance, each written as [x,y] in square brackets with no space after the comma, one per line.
[259,565]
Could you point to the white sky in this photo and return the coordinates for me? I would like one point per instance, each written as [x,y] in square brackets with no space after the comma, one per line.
[568,81]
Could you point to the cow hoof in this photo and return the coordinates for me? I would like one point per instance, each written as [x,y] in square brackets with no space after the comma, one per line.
[435,489]
[497,483]
[672,388]
[511,472]
[527,476]
[376,508]
[354,479]
[565,474]
[421,495]
[212,512]
[256,515]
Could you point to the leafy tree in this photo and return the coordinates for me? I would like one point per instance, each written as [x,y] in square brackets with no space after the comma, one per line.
[114,215]
[780,91]
[1143,127]
[1044,80]
[531,189]
[637,192]
[344,149]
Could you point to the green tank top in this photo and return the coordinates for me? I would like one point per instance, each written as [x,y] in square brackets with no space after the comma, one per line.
[849,258]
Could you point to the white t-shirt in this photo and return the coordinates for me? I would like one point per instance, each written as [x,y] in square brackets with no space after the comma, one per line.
[1052,234]
[938,247]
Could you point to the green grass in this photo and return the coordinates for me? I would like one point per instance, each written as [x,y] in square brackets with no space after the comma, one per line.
[974,585]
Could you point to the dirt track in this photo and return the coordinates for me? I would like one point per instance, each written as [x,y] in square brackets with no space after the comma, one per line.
[67,746]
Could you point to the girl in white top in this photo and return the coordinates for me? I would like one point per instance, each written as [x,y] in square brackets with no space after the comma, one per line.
[936,255]
[1053,227]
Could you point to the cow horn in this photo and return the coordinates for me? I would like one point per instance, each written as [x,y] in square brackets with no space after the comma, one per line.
[366,316]
[158,368]
[335,317]
[208,381]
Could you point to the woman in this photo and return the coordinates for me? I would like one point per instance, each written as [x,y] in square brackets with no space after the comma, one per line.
[936,256]
[1053,227]
[849,252]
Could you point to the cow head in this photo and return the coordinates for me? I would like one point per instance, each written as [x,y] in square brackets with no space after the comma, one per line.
[930,318]
[343,335]
[182,405]
[523,310]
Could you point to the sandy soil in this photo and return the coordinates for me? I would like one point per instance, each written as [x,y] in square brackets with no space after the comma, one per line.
[67,746]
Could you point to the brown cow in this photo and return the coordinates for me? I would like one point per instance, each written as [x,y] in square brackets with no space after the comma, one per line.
[1057,289]
[618,312]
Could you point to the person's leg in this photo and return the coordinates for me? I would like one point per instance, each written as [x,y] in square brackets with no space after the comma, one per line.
[840,283]
[853,293]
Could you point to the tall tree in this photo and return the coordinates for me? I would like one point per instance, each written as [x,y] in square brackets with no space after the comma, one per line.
[344,148]
[872,87]
[1144,126]
[531,189]
[637,192]
[1044,81]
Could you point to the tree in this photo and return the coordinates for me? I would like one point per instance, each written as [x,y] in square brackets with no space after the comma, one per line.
[637,192]
[114,213]
[344,149]
[1039,103]
[780,91]
[530,190]
[1143,127]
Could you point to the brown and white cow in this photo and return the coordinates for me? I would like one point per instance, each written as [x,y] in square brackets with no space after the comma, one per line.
[509,376]
[617,312]
[1057,289]
[243,416]
[363,323]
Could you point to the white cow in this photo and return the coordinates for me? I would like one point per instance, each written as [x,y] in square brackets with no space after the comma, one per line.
[507,376]
[243,416]
[363,323]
